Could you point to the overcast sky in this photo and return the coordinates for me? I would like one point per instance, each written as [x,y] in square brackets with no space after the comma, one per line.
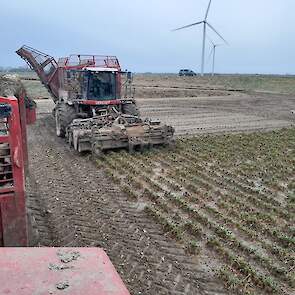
[261,33]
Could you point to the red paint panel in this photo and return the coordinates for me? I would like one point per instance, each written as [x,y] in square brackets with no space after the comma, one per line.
[31,116]
[27,271]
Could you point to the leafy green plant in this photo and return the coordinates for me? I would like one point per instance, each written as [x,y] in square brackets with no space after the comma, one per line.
[193,248]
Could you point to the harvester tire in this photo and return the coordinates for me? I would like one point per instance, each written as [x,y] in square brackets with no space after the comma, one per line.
[130,109]
[97,151]
[64,115]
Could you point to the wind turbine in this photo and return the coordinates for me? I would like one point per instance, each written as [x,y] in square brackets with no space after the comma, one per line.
[214,52]
[205,24]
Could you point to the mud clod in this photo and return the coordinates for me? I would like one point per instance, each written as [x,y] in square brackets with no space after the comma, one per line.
[62,285]
[58,267]
[69,256]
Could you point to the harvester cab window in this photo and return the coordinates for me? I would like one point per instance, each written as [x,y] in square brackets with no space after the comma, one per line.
[101,86]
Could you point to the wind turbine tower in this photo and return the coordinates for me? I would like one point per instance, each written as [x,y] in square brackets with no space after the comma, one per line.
[213,51]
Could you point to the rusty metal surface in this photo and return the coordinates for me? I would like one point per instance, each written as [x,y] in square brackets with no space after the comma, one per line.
[75,271]
[120,131]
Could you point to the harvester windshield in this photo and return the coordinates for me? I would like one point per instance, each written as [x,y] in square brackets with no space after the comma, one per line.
[90,84]
[100,85]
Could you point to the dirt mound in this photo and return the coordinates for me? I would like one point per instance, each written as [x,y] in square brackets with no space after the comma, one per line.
[10,85]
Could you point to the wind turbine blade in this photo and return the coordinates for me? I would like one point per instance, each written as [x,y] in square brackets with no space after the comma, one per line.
[194,24]
[213,29]
[208,8]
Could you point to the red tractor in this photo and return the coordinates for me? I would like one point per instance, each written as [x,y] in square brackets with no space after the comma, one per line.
[90,108]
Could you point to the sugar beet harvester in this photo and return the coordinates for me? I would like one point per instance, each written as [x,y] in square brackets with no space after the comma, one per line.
[90,110]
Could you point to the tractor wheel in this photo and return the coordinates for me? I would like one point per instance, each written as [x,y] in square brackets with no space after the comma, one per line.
[64,115]
[130,109]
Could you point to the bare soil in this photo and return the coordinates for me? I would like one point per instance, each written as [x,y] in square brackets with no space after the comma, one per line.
[10,85]
[218,114]
[215,114]
[159,86]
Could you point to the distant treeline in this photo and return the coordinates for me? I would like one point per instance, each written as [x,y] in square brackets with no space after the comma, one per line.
[15,69]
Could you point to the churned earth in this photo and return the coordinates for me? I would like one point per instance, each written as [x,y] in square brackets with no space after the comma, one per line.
[75,202]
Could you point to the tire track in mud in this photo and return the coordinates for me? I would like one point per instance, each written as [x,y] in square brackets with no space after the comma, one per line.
[75,204]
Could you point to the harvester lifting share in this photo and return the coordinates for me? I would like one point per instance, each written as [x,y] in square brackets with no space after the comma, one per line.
[107,132]
[90,110]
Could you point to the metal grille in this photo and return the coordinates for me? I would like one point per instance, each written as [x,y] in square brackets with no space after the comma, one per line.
[6,173]
[89,60]
[4,131]
[39,56]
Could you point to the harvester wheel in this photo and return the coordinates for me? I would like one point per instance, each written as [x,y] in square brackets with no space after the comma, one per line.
[96,150]
[171,144]
[130,109]
[64,115]
[131,148]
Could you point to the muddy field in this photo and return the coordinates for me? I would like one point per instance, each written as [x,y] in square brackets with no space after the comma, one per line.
[213,216]
[76,204]
[206,105]
[161,85]
[216,114]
